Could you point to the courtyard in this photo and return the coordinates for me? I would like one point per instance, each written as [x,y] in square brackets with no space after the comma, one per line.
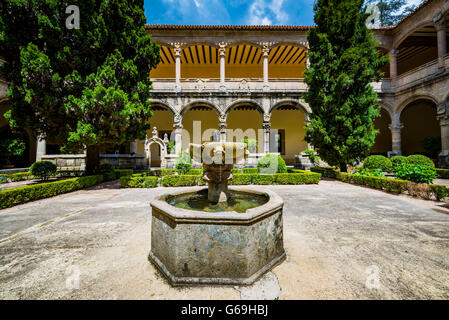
[342,242]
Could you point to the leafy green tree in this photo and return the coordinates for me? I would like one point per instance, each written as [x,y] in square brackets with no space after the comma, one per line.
[82,88]
[344,61]
[391,11]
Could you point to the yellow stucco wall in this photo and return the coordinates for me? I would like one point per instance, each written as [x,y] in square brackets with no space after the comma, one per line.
[208,120]
[293,122]
[244,120]
[420,121]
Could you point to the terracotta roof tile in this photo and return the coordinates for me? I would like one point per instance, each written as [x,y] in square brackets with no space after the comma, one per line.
[225,27]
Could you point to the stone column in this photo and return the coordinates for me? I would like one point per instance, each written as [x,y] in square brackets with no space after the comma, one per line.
[266,132]
[223,126]
[41,148]
[443,117]
[222,54]
[133,147]
[309,146]
[396,137]
[177,126]
[393,63]
[178,51]
[265,53]
[440,26]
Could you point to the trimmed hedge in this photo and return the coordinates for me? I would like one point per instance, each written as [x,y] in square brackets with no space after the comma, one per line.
[241,179]
[123,172]
[11,197]
[20,176]
[141,180]
[421,190]
[298,178]
[138,181]
[327,172]
[264,179]
[443,173]
[250,170]
[181,180]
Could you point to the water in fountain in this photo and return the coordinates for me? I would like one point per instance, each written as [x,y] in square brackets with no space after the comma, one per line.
[218,160]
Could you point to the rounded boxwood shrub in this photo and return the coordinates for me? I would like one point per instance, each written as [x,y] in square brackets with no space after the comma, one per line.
[271,164]
[398,159]
[378,162]
[415,172]
[420,159]
[43,169]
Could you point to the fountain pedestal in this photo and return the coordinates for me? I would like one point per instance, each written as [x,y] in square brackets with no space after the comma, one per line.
[216,176]
[199,241]
[195,247]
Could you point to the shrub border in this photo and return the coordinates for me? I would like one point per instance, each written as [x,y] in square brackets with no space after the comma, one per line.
[420,190]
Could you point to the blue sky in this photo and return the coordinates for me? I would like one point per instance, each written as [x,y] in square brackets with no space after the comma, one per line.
[232,12]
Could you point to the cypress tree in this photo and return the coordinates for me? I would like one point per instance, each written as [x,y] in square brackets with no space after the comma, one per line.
[343,63]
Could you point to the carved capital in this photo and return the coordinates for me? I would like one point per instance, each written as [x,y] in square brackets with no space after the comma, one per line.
[396,127]
[222,117]
[266,46]
[177,48]
[443,109]
[222,49]
[177,121]
[267,117]
[439,21]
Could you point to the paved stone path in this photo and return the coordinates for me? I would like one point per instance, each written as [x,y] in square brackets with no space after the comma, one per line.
[342,242]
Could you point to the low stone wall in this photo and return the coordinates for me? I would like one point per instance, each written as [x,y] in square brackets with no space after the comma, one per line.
[125,161]
[70,162]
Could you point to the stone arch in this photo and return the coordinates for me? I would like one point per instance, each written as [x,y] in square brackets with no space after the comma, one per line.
[242,102]
[288,119]
[299,105]
[425,23]
[418,116]
[162,104]
[387,107]
[407,101]
[163,147]
[197,103]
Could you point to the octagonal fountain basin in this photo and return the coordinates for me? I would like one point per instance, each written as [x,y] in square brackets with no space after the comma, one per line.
[196,242]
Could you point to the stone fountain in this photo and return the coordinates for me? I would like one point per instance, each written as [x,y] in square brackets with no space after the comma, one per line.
[217,235]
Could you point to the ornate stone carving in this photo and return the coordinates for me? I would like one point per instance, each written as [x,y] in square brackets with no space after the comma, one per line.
[266,48]
[177,48]
[267,117]
[222,48]
[266,126]
[439,21]
[222,117]
[200,85]
[244,85]
[443,108]
[177,121]
[154,132]
[395,127]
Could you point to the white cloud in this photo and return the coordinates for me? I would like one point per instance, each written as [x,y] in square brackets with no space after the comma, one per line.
[263,12]
[197,11]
